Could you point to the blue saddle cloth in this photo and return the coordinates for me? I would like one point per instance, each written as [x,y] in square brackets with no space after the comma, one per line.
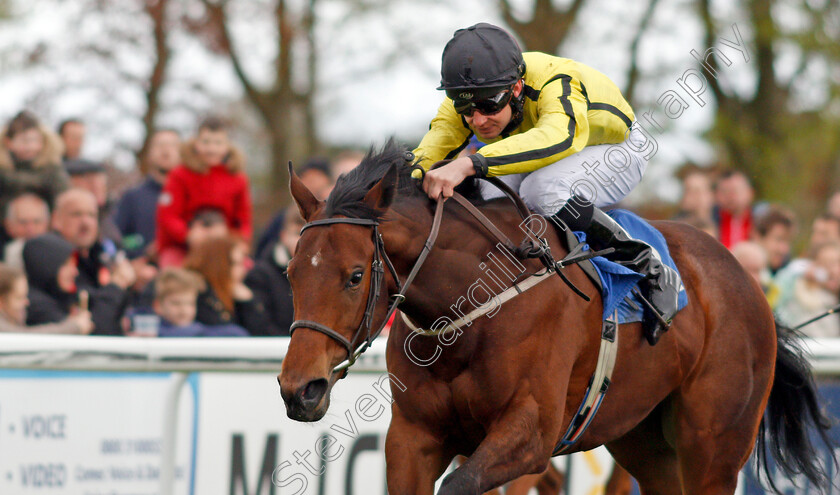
[618,281]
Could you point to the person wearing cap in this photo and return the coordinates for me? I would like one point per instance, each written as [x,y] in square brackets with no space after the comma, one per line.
[92,176]
[558,132]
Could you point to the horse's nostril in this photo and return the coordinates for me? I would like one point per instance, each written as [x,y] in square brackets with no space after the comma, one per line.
[314,391]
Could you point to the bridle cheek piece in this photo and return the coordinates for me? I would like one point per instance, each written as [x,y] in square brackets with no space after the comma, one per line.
[363,336]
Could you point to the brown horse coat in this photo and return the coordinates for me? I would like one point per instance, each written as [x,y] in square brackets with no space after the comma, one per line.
[681,416]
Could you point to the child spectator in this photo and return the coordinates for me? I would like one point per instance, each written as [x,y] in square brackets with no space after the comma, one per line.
[211,177]
[30,160]
[14,300]
[176,293]
[205,225]
[51,269]
[752,256]
[810,293]
[221,263]
[268,279]
[773,230]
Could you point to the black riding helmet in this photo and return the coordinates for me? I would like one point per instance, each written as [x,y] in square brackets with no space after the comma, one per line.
[482,58]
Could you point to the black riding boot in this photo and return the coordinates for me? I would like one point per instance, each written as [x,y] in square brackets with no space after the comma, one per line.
[661,284]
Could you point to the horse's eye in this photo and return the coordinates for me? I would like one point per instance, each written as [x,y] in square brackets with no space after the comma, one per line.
[355,279]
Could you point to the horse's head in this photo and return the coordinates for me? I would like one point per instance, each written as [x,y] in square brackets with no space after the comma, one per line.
[332,276]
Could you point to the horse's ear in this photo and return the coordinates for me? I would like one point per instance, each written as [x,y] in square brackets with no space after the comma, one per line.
[382,194]
[306,201]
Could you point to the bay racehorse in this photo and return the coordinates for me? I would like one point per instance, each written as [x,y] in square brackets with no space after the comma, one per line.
[682,416]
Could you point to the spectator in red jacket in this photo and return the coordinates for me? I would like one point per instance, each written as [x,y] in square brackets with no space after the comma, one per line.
[211,177]
[734,212]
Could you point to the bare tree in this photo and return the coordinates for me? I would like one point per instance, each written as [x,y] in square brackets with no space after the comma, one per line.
[285,107]
[157,12]
[548,27]
[633,72]
[106,60]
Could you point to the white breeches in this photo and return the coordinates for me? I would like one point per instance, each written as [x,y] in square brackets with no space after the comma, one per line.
[603,174]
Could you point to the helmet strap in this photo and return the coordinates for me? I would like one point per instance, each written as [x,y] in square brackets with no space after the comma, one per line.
[517,105]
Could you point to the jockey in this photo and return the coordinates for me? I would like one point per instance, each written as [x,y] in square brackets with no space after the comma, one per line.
[558,132]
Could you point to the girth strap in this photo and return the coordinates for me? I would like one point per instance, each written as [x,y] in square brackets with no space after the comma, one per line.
[598,386]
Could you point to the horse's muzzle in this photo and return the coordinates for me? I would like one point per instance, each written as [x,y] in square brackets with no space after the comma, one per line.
[305,403]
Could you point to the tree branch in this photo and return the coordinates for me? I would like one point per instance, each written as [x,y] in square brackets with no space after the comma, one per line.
[218,21]
[710,32]
[633,75]
[156,9]
[548,27]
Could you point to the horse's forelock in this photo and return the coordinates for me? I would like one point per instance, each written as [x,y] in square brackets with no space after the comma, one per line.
[347,198]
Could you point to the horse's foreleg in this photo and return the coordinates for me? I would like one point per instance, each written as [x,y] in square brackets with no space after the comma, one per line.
[415,458]
[511,448]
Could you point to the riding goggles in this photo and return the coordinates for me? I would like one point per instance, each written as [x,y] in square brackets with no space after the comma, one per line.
[490,105]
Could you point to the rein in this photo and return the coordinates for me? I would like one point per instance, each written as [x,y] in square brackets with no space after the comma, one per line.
[532,247]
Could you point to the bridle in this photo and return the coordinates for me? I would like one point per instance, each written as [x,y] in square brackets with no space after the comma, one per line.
[532,247]
[377,274]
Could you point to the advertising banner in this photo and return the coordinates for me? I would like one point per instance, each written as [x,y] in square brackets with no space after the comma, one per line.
[102,433]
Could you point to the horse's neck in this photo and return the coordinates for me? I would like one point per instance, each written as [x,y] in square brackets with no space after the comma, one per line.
[465,263]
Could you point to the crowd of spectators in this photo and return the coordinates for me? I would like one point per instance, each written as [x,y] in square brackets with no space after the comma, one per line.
[175,254]
[800,284]
[171,256]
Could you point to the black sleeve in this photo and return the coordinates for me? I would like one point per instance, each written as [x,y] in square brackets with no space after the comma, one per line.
[124,215]
[270,235]
[251,316]
[276,320]
[43,309]
[107,307]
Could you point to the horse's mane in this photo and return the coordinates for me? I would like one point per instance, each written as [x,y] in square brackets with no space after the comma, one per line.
[347,198]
